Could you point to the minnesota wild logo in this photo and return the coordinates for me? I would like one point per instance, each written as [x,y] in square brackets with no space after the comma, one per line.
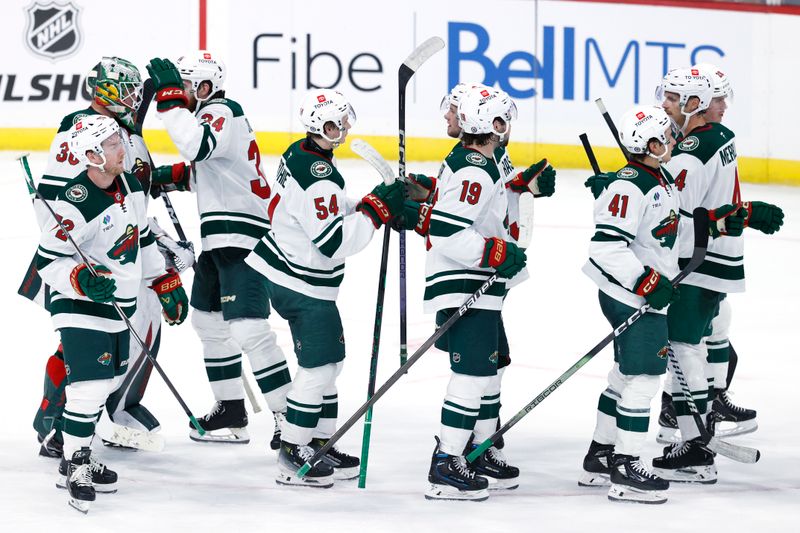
[667,230]
[104,359]
[126,248]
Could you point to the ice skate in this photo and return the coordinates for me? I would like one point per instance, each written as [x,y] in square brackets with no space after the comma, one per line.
[78,480]
[492,465]
[597,465]
[103,478]
[344,466]
[52,445]
[688,462]
[451,478]
[225,423]
[632,482]
[731,419]
[280,419]
[668,431]
[292,457]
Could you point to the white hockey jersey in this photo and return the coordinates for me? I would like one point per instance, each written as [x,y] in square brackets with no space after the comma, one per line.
[313,225]
[110,227]
[471,207]
[227,176]
[636,226]
[706,174]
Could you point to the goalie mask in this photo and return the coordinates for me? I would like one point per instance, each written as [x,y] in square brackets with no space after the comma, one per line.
[199,67]
[116,85]
[88,134]
[325,105]
[479,108]
[686,83]
[641,124]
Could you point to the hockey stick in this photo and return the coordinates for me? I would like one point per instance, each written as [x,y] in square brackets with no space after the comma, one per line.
[24,162]
[700,245]
[371,155]
[742,454]
[406,71]
[441,330]
[589,153]
[611,126]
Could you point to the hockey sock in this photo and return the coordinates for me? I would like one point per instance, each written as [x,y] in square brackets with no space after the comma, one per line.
[633,413]
[489,412]
[460,411]
[719,347]
[51,408]
[221,355]
[605,430]
[304,402]
[267,360]
[82,411]
[692,360]
[326,426]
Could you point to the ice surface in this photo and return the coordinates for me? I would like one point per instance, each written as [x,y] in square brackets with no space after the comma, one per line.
[551,320]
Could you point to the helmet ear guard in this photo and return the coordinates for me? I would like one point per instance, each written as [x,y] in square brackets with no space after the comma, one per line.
[323,106]
[202,66]
[640,125]
[88,134]
[480,106]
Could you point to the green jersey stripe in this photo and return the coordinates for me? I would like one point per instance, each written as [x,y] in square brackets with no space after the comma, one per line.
[615,229]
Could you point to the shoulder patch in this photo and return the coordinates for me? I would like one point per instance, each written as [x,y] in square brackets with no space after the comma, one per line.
[77,193]
[689,143]
[627,173]
[476,159]
[321,169]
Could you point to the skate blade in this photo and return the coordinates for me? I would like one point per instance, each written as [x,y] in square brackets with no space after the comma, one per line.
[104,488]
[668,436]
[732,429]
[496,484]
[591,479]
[621,493]
[446,492]
[344,474]
[79,505]
[222,436]
[291,480]
[704,475]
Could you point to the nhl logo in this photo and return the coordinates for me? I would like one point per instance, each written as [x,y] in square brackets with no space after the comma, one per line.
[52,29]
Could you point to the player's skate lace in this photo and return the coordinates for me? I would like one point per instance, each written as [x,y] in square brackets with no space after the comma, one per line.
[642,470]
[497,456]
[724,397]
[679,449]
[460,464]
[96,466]
[82,476]
[305,452]
[214,410]
[280,419]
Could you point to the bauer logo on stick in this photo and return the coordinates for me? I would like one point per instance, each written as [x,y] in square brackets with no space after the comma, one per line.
[52,29]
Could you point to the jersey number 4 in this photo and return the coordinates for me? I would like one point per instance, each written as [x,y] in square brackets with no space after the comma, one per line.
[616,209]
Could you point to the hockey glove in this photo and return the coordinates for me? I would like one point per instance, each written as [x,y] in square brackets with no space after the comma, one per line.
[170,178]
[598,183]
[727,220]
[174,303]
[539,178]
[98,288]
[168,84]
[657,291]
[384,202]
[417,217]
[505,257]
[766,218]
[420,188]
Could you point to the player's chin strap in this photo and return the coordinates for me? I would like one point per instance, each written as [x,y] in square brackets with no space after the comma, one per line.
[334,142]
[101,166]
[657,156]
[687,117]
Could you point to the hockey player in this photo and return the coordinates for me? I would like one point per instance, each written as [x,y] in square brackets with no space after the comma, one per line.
[722,357]
[704,165]
[116,88]
[314,226]
[468,239]
[104,211]
[539,180]
[228,297]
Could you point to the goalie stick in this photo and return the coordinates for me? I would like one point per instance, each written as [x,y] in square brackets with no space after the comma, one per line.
[372,156]
[406,71]
[441,330]
[26,169]
[698,255]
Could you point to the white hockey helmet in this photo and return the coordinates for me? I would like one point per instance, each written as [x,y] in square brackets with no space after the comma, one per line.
[202,66]
[719,80]
[453,98]
[88,134]
[326,105]
[642,123]
[686,83]
[480,106]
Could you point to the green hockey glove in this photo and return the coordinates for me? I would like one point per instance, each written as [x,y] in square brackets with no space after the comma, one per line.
[598,183]
[766,218]
[98,288]
[168,84]
[727,219]
[383,203]
[420,188]
[539,179]
[174,302]
[657,290]
[505,257]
